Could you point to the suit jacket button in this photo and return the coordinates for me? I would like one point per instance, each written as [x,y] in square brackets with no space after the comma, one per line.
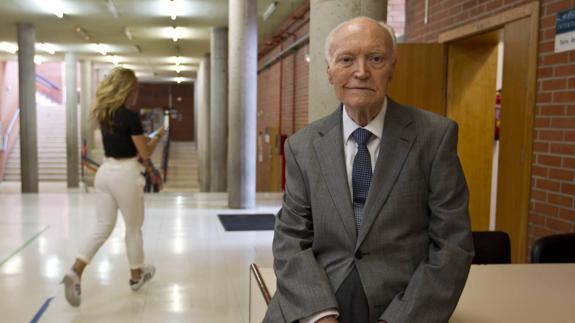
[358,254]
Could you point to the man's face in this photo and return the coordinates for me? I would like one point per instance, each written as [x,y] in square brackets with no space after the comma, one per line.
[361,64]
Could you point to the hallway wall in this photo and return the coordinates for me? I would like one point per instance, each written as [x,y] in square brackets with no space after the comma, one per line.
[552,199]
[8,105]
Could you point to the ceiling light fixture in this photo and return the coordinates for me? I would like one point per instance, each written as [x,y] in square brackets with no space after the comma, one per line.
[128,33]
[102,49]
[175,34]
[178,60]
[270,10]
[8,47]
[115,60]
[178,69]
[112,8]
[173,9]
[82,32]
[179,80]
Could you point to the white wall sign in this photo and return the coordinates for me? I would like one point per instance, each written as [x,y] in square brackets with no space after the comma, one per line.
[565,31]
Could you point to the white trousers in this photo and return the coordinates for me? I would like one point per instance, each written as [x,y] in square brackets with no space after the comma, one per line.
[119,185]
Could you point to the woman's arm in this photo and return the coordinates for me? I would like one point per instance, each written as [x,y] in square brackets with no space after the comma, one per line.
[146,148]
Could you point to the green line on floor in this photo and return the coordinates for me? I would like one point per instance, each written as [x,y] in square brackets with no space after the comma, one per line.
[15,252]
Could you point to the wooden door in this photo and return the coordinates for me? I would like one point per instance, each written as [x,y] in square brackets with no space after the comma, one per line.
[471,82]
[515,136]
[419,76]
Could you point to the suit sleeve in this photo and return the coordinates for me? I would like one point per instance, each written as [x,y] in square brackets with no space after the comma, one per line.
[303,287]
[435,287]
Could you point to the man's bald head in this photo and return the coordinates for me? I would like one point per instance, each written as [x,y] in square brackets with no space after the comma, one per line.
[359,23]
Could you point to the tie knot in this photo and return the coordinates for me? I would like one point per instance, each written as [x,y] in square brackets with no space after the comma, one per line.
[361,136]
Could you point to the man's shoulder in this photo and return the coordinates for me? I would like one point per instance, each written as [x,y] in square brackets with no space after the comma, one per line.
[315,128]
[423,118]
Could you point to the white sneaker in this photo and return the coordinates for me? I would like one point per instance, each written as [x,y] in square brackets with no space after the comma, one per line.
[146,274]
[72,288]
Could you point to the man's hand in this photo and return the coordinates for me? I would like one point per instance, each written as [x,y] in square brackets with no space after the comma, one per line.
[328,319]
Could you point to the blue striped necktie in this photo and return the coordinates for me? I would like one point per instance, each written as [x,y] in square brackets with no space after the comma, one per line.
[361,174]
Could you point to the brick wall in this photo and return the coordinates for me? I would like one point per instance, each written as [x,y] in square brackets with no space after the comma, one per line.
[282,97]
[552,207]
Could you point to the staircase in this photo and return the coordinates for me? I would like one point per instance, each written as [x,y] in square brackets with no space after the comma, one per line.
[51,132]
[183,168]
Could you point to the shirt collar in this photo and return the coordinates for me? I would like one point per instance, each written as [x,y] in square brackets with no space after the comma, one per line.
[375,126]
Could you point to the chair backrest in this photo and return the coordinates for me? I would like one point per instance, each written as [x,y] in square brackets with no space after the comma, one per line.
[557,248]
[491,247]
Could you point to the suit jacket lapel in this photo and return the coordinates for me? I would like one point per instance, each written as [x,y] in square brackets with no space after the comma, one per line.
[330,153]
[396,141]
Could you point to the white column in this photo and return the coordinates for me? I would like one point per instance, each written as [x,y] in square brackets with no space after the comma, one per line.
[86,101]
[72,145]
[243,46]
[219,110]
[204,124]
[27,95]
[324,16]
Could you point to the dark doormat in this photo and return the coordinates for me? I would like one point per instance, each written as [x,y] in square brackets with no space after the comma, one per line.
[247,222]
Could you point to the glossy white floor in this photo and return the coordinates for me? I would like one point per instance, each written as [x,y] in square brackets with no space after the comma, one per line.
[202,270]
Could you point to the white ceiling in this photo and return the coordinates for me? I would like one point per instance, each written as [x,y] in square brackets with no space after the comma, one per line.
[148,22]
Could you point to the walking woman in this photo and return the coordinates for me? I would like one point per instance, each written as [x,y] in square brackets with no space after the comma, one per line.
[118,180]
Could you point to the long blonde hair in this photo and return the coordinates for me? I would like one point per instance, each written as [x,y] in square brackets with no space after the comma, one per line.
[111,95]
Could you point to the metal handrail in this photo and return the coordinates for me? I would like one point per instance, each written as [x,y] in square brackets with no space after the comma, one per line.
[47,82]
[10,128]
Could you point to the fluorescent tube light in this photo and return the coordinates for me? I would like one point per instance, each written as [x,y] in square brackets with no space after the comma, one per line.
[173,9]
[269,10]
[102,49]
[47,48]
[112,8]
[175,34]
[8,47]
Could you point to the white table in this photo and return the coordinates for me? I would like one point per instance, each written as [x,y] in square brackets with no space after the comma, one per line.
[522,293]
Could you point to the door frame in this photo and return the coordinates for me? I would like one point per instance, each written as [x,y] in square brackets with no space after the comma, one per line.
[497,21]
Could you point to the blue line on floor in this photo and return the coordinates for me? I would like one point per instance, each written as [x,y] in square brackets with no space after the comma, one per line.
[41,311]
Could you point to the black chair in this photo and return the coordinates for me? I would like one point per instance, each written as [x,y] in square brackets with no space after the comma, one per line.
[557,248]
[491,247]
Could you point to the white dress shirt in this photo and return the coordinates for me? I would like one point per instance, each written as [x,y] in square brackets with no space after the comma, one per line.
[375,126]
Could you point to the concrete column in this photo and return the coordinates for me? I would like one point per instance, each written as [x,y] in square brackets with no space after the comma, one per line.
[324,16]
[219,110]
[86,100]
[243,47]
[204,124]
[72,144]
[27,95]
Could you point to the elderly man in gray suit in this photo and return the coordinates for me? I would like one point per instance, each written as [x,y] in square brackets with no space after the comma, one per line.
[374,225]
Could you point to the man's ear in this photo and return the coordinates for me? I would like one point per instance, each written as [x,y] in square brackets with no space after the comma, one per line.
[329,76]
[392,70]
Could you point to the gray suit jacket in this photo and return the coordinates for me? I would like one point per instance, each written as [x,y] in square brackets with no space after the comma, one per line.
[414,249]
